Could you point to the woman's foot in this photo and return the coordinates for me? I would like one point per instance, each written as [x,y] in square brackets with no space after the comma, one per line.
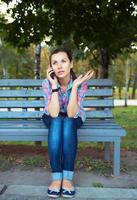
[68,189]
[55,184]
[67,184]
[54,189]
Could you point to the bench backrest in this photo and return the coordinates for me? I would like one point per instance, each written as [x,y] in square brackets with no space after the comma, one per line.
[23,98]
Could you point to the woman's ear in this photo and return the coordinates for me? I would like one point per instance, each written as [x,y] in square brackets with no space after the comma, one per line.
[71,64]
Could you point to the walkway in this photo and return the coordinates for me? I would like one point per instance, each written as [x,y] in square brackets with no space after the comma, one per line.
[29,192]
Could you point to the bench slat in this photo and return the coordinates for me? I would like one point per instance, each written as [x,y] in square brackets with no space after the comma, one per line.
[38,114]
[20,82]
[106,132]
[40,137]
[40,103]
[100,82]
[38,82]
[21,104]
[39,122]
[98,103]
[21,93]
[99,114]
[99,92]
[42,125]
[39,93]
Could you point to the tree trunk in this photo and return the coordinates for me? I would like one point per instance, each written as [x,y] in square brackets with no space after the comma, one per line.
[126,84]
[119,91]
[37,73]
[134,87]
[104,63]
[37,61]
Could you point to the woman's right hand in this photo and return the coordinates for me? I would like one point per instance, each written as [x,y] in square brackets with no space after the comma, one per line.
[54,82]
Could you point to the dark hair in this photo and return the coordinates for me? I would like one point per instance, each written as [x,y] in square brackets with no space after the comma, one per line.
[69,54]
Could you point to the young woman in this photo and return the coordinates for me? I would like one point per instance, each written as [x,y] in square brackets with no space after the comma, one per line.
[63,115]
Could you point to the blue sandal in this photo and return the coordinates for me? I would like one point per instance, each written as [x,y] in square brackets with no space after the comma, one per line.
[66,192]
[55,193]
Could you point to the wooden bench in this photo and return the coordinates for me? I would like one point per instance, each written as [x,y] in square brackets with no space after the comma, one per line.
[21,108]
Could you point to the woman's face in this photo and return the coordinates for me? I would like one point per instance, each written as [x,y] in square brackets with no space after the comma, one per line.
[61,64]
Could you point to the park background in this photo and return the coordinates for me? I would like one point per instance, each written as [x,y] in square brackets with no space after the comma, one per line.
[102,36]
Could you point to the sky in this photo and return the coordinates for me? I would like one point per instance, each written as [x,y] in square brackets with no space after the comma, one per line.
[4,7]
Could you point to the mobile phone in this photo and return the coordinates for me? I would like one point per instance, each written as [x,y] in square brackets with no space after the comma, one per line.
[52,75]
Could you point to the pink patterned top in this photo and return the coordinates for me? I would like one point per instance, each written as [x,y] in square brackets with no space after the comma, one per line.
[64,97]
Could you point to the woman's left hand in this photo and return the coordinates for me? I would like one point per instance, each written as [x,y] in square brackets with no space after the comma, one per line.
[78,81]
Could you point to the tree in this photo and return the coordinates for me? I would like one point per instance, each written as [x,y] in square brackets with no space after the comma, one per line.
[123,72]
[107,26]
[14,63]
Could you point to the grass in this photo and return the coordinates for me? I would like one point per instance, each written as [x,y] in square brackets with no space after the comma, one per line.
[95,165]
[5,163]
[30,162]
[97,184]
[116,93]
[85,163]
[127,118]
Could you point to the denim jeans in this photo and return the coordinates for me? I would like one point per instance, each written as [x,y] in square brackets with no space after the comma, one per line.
[62,144]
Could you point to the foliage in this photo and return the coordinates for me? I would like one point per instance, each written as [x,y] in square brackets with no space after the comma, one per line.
[123,70]
[93,24]
[15,63]
[106,26]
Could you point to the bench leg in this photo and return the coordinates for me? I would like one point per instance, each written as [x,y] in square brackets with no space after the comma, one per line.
[107,151]
[116,163]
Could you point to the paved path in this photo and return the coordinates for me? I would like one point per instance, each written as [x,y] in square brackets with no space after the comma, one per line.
[81,179]
[130,102]
[28,192]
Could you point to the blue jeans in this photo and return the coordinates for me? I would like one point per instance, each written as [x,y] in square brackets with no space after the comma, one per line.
[62,144]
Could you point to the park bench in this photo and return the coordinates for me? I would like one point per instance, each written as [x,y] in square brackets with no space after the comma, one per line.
[21,108]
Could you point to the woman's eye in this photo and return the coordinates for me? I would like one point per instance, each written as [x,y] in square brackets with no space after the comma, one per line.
[64,61]
[54,63]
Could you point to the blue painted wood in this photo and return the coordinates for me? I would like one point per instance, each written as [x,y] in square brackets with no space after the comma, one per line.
[99,103]
[33,82]
[22,104]
[40,103]
[38,114]
[20,82]
[100,82]
[39,93]
[116,164]
[105,132]
[99,92]
[21,93]
[39,137]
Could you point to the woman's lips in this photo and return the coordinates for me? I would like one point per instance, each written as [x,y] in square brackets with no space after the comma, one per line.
[60,72]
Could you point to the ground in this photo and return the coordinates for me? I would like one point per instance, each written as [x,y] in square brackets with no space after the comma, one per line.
[31,160]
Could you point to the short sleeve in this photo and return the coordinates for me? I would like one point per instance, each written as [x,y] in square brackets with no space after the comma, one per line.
[47,94]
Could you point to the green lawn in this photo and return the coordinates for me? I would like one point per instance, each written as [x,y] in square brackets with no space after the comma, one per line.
[127,118]
[116,93]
